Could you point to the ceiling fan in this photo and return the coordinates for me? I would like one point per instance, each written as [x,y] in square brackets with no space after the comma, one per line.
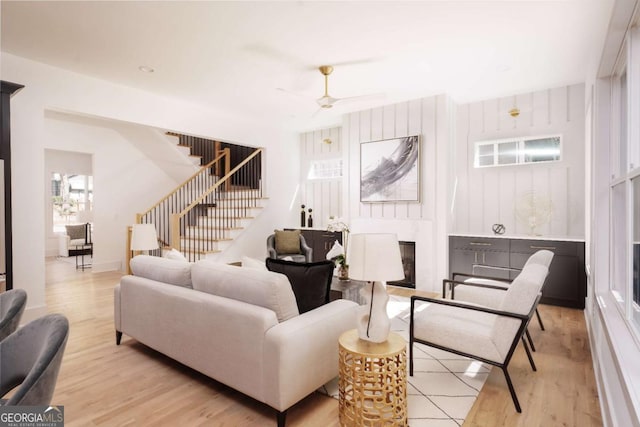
[327,101]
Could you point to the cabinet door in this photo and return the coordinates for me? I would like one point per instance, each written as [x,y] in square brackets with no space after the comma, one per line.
[494,264]
[323,242]
[461,262]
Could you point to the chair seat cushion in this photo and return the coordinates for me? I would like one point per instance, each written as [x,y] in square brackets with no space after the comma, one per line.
[464,330]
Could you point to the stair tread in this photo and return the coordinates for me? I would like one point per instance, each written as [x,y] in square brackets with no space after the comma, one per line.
[200,239]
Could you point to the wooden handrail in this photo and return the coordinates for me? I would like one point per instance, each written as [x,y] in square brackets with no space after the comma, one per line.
[202,169]
[217,184]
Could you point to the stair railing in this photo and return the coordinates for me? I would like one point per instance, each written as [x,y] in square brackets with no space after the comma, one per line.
[198,228]
[183,195]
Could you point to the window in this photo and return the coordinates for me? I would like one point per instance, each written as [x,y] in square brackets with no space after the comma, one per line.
[518,151]
[72,199]
[325,169]
[618,242]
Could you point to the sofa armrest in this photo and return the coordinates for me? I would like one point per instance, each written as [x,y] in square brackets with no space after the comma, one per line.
[301,354]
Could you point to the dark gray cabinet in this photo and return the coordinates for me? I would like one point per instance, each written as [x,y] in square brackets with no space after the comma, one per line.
[567,282]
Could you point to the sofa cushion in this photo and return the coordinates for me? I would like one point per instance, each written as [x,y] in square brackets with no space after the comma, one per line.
[256,264]
[162,270]
[175,255]
[311,282]
[262,288]
[287,241]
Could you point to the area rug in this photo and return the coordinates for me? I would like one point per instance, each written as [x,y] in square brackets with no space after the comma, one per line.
[444,385]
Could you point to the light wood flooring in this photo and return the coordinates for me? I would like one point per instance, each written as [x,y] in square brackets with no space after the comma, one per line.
[101,384]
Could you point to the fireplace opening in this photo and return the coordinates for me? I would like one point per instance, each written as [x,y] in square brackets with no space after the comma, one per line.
[408,254]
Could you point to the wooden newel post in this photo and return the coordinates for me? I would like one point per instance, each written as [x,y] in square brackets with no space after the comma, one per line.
[175,231]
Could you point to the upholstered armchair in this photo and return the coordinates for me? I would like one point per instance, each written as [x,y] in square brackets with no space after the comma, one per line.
[30,360]
[290,245]
[12,304]
[76,239]
[489,291]
[489,335]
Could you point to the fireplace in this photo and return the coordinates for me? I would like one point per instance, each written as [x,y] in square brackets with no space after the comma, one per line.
[408,254]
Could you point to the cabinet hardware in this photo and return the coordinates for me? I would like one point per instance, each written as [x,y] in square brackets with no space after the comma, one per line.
[550,248]
[479,244]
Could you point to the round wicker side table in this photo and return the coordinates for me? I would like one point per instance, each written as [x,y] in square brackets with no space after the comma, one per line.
[373,381]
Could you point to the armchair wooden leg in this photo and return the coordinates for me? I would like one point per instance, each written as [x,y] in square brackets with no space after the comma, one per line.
[511,389]
[533,347]
[526,348]
[539,319]
[118,337]
[282,416]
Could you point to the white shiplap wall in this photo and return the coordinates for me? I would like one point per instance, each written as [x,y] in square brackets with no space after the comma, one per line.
[488,195]
[323,196]
[425,222]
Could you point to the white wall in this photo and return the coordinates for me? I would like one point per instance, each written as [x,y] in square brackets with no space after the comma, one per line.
[486,196]
[323,196]
[50,88]
[426,222]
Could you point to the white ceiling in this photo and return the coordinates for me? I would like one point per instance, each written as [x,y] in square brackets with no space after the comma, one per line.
[235,55]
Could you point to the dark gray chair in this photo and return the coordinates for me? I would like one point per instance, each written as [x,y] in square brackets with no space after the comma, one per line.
[304,255]
[12,304]
[30,360]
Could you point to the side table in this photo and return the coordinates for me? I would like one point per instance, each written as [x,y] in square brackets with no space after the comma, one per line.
[347,289]
[81,251]
[373,381]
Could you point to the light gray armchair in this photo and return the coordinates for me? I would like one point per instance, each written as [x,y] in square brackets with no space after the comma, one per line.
[489,291]
[303,254]
[489,335]
[12,304]
[30,360]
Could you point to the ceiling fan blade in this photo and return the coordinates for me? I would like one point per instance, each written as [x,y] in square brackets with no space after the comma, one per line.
[359,98]
[290,92]
[318,111]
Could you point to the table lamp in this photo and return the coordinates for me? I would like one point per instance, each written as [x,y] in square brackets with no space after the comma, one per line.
[144,237]
[374,258]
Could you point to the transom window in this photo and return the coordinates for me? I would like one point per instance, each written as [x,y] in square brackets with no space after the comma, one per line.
[325,169]
[518,151]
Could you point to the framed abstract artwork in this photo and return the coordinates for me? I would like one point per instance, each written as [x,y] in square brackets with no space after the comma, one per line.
[389,170]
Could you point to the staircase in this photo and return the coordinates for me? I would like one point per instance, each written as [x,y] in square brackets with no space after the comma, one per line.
[202,216]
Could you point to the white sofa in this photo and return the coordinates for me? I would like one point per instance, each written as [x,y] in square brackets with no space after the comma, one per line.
[237,325]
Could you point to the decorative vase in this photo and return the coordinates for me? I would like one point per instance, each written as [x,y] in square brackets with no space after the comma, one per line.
[343,272]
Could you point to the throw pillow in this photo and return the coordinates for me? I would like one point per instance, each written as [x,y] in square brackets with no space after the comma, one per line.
[175,255]
[162,270]
[253,263]
[311,282]
[287,241]
[262,288]
[76,231]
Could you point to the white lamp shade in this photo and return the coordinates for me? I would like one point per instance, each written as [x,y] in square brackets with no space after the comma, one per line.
[85,216]
[375,257]
[144,237]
